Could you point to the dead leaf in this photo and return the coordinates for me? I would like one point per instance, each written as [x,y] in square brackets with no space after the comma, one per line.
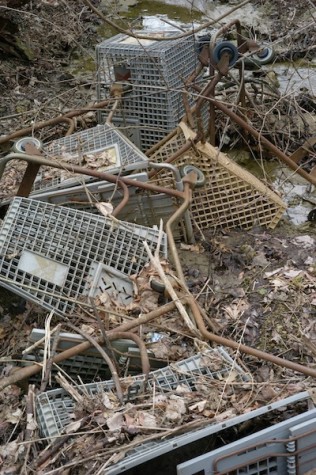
[106,209]
[107,403]
[73,427]
[31,423]
[175,408]
[290,274]
[270,274]
[115,422]
[200,406]
[146,419]
[192,247]
[13,417]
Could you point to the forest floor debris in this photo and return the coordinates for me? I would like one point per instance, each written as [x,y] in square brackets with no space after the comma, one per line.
[257,288]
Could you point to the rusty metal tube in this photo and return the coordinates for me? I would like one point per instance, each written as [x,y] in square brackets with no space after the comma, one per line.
[23,373]
[261,139]
[86,171]
[141,345]
[53,121]
[244,348]
[124,200]
[188,183]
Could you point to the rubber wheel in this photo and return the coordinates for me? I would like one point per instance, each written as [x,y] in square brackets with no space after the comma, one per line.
[225,47]
[19,145]
[265,56]
[186,169]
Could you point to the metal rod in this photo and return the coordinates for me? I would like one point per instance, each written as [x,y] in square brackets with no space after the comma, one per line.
[244,348]
[23,373]
[87,171]
[261,139]
[188,182]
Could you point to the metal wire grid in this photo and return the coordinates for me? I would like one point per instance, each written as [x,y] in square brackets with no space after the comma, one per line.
[87,366]
[230,202]
[90,366]
[231,195]
[158,71]
[143,208]
[69,243]
[54,407]
[89,141]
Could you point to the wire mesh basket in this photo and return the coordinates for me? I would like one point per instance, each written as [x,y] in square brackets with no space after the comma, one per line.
[89,366]
[143,207]
[231,196]
[50,254]
[102,147]
[156,71]
[55,407]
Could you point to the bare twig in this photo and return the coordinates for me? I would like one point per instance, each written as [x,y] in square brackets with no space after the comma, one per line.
[106,358]
[24,373]
[49,363]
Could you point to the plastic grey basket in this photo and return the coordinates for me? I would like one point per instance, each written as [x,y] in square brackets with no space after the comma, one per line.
[49,254]
[150,450]
[114,152]
[89,365]
[54,407]
[286,448]
[157,71]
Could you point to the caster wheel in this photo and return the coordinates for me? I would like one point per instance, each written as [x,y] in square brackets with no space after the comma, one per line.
[225,47]
[185,169]
[265,56]
[19,145]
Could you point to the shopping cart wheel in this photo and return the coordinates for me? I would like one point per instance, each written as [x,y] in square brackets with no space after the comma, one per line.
[265,56]
[186,169]
[19,145]
[225,47]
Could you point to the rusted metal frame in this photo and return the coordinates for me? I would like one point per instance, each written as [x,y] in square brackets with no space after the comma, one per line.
[189,183]
[28,371]
[206,92]
[262,355]
[116,335]
[31,171]
[87,171]
[124,200]
[302,151]
[263,140]
[54,121]
[187,228]
[264,456]
[187,84]
[173,157]
[223,68]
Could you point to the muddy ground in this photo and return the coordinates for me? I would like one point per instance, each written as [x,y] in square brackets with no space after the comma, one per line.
[257,287]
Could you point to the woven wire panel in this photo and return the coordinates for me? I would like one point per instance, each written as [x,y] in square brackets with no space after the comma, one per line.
[143,207]
[157,71]
[55,407]
[48,254]
[231,196]
[95,143]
